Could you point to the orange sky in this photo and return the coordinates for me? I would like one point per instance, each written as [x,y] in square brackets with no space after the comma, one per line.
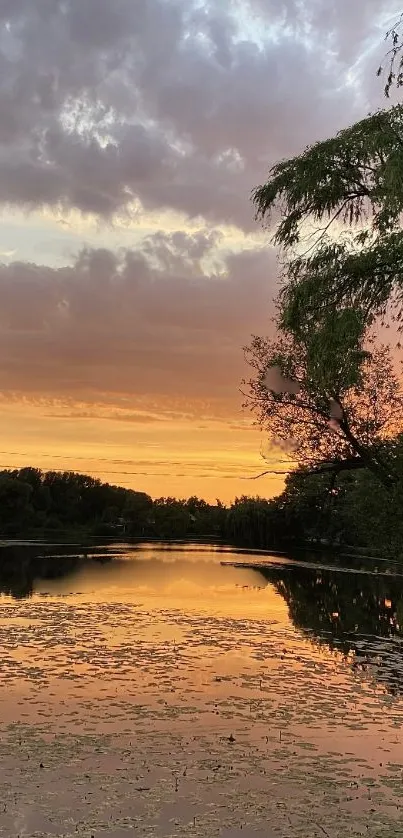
[130,367]
[209,458]
[132,271]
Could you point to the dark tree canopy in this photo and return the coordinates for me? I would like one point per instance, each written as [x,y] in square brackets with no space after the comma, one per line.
[349,189]
[360,381]
[35,503]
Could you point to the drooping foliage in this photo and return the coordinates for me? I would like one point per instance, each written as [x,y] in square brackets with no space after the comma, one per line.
[336,209]
[354,176]
[394,57]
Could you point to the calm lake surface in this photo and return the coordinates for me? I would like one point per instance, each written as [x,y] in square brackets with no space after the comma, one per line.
[159,690]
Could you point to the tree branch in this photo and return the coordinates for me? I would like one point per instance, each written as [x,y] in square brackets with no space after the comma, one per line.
[321,468]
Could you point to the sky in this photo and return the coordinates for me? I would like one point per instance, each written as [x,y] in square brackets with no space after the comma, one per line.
[132,270]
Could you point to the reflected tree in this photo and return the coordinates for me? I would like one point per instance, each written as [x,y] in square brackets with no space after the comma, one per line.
[21,566]
[352,612]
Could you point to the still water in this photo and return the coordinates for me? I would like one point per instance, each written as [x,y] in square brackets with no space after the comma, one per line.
[191,690]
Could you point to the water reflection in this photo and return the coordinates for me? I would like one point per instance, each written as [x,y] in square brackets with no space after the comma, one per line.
[22,565]
[157,690]
[358,613]
[174,574]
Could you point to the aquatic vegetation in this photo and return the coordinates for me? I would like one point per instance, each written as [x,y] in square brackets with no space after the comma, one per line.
[128,709]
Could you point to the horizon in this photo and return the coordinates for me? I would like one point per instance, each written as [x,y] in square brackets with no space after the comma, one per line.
[179,499]
[132,271]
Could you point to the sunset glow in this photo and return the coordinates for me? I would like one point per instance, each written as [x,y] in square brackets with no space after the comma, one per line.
[132,270]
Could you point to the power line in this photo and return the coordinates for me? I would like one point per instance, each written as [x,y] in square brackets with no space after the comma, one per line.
[101,472]
[131,473]
[274,461]
[56,456]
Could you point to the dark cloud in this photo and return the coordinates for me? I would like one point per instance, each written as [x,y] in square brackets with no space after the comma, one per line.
[166,103]
[111,107]
[151,323]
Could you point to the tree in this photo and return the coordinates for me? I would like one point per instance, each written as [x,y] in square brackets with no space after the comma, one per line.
[172,518]
[394,57]
[254,522]
[137,512]
[309,510]
[356,180]
[15,503]
[338,373]
[372,517]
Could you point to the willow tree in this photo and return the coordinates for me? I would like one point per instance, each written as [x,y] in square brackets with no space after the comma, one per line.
[394,57]
[347,403]
[336,212]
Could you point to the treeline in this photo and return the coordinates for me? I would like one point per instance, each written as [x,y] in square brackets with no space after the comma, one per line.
[346,509]
[35,503]
[352,510]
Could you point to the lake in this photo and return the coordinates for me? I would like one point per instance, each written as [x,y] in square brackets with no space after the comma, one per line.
[195,690]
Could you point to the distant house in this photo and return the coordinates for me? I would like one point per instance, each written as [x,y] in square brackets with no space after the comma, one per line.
[121,525]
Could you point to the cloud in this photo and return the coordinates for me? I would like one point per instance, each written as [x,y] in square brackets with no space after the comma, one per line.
[145,324]
[115,108]
[136,418]
[125,108]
